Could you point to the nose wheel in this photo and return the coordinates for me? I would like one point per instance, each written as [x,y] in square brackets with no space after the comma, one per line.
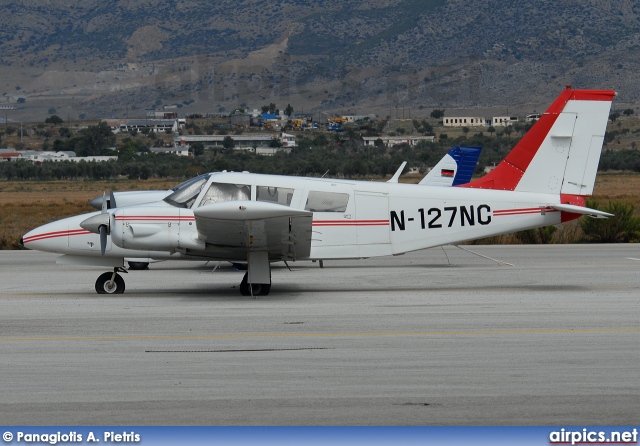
[110,283]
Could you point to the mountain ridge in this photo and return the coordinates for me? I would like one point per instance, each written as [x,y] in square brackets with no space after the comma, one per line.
[117,57]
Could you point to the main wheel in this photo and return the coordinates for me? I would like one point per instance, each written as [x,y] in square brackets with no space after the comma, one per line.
[103,284]
[136,266]
[259,289]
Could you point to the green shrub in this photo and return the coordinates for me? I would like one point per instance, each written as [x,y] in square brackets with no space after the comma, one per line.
[623,227]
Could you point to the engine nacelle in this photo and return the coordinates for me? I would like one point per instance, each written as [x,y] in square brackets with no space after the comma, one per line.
[155,228]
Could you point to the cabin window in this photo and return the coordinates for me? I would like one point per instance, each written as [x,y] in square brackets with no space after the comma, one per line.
[185,194]
[326,202]
[220,192]
[280,195]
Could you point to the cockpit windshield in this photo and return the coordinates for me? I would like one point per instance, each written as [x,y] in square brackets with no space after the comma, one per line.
[186,193]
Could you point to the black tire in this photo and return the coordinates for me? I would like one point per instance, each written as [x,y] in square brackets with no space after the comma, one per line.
[102,284]
[240,266]
[259,289]
[137,266]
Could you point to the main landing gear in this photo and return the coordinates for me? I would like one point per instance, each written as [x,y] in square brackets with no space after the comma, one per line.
[257,279]
[253,289]
[111,283]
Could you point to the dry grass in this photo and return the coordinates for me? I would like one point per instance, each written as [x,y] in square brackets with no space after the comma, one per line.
[25,205]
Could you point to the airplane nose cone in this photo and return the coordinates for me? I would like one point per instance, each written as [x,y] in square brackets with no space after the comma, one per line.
[97,202]
[21,241]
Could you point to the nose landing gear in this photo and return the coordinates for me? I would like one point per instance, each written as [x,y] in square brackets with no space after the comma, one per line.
[111,283]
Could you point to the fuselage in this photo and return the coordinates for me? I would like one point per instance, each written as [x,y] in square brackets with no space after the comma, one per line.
[351,219]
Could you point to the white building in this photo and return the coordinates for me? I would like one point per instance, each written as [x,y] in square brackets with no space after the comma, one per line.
[41,156]
[153,125]
[176,150]
[503,121]
[533,117]
[464,121]
[390,141]
[257,141]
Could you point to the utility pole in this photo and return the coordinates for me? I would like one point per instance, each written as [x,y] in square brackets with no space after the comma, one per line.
[6,109]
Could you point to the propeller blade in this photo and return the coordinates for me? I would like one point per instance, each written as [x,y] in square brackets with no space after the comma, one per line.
[103,239]
[104,202]
[112,200]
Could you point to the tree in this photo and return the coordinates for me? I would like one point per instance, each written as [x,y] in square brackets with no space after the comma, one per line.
[197,149]
[491,129]
[614,116]
[289,110]
[271,108]
[228,143]
[129,149]
[508,130]
[95,139]
[275,142]
[64,131]
[437,113]
[628,112]
[465,130]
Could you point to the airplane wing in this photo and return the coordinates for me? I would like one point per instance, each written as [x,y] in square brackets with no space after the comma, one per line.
[455,168]
[244,226]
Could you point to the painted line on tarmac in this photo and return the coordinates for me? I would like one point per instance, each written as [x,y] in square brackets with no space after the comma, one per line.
[329,335]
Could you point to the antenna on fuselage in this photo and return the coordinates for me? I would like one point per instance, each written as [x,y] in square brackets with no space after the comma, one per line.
[394,178]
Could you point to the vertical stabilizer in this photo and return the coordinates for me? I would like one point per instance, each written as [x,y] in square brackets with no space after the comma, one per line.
[560,153]
[455,168]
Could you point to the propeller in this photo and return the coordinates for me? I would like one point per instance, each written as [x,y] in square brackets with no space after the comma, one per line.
[100,224]
[103,239]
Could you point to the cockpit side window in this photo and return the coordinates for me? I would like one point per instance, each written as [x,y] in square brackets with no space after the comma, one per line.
[186,193]
[280,195]
[220,192]
[326,202]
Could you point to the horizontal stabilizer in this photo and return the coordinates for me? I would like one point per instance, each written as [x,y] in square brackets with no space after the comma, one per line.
[581,210]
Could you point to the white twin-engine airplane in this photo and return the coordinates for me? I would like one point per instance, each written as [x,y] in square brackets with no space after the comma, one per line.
[260,219]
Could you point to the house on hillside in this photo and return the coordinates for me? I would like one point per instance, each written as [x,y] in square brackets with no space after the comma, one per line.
[464,121]
[152,125]
[503,121]
[8,154]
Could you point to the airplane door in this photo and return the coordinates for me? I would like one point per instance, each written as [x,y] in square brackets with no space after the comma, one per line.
[334,212]
[372,215]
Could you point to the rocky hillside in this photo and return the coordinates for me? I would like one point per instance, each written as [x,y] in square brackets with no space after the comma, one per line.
[116,57]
